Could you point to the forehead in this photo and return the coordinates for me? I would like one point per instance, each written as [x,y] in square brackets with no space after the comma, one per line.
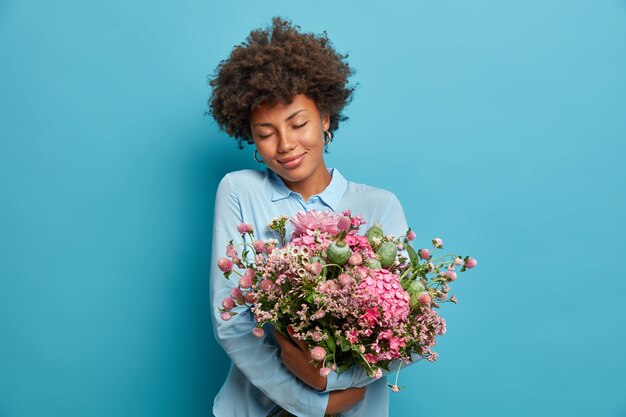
[281,111]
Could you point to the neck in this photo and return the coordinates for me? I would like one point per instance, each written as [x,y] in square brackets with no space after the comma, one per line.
[315,184]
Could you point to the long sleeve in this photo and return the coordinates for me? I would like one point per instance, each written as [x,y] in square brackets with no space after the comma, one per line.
[257,359]
[393,222]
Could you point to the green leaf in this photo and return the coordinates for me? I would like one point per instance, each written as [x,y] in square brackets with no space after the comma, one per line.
[343,342]
[412,255]
[330,342]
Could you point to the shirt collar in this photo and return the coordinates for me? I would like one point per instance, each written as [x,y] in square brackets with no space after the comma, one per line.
[330,196]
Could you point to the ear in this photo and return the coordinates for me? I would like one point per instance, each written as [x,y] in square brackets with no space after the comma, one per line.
[326,121]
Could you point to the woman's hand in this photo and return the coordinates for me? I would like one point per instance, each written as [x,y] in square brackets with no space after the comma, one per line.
[344,400]
[297,358]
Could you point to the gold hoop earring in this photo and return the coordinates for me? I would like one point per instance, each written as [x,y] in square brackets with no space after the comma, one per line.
[255,156]
[328,137]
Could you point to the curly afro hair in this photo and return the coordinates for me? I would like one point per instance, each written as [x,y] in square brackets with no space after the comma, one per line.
[272,66]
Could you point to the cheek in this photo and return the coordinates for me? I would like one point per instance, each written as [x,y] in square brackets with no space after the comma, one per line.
[312,140]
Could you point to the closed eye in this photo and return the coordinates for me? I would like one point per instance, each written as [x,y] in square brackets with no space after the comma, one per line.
[299,126]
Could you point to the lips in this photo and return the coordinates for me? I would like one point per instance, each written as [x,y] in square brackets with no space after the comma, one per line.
[292,162]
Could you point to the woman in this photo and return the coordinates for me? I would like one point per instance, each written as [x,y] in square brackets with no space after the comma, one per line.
[284,92]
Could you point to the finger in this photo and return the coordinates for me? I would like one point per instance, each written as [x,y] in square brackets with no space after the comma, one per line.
[301,343]
[282,341]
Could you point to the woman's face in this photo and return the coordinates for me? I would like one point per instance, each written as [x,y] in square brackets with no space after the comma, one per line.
[289,138]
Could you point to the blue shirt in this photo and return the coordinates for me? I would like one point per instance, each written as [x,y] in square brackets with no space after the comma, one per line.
[258,380]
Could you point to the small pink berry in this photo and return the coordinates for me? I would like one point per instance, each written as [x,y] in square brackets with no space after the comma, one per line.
[235,293]
[259,246]
[228,303]
[230,251]
[318,353]
[226,315]
[251,297]
[245,281]
[343,223]
[438,243]
[345,280]
[410,235]
[244,228]
[315,268]
[470,263]
[424,298]
[325,371]
[258,332]
[356,259]
[225,264]
[451,275]
[424,253]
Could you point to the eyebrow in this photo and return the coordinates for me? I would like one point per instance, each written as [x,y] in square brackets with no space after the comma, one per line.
[287,119]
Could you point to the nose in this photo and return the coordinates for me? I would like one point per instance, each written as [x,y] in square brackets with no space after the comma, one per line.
[286,142]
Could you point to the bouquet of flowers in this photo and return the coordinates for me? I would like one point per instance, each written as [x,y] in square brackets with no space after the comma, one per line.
[365,299]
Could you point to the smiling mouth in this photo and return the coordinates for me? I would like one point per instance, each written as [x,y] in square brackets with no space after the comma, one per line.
[293,158]
[292,162]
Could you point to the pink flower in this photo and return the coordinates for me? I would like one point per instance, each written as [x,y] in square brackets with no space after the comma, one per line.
[343,223]
[324,221]
[450,274]
[318,353]
[258,332]
[226,315]
[315,268]
[424,253]
[269,249]
[395,388]
[325,371]
[228,303]
[245,281]
[230,251]
[424,298]
[470,263]
[316,336]
[410,235]
[438,243]
[235,293]
[251,298]
[266,284]
[378,373]
[259,246]
[244,228]
[356,259]
[225,264]
[453,299]
[458,261]
[345,280]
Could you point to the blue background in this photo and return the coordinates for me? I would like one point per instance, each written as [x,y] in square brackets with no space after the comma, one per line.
[499,125]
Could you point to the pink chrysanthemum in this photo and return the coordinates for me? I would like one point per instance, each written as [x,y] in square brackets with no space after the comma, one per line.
[324,221]
[318,353]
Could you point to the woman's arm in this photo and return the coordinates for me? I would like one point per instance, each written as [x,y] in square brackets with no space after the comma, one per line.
[258,360]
